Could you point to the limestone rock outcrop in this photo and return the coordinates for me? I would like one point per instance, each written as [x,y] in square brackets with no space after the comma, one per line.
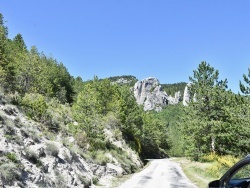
[148,92]
[187,95]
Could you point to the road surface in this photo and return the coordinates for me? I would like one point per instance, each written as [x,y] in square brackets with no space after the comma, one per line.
[161,173]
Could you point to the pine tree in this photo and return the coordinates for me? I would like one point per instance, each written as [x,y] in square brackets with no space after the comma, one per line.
[245,88]
[206,112]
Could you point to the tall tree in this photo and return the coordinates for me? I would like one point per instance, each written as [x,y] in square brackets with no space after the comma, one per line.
[19,43]
[245,88]
[3,53]
[206,111]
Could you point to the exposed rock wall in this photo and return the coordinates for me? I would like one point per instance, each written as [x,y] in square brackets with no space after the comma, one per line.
[148,92]
[186,96]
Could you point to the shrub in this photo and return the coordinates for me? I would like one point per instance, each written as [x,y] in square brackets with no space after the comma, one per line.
[209,158]
[31,156]
[8,173]
[24,132]
[57,115]
[18,122]
[220,165]
[100,157]
[95,180]
[12,157]
[52,149]
[18,140]
[97,144]
[29,132]
[117,134]
[34,105]
[81,139]
[84,180]
[9,127]
[60,180]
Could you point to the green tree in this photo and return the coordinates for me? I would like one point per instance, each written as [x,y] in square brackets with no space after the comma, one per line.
[92,104]
[4,54]
[245,88]
[19,43]
[206,112]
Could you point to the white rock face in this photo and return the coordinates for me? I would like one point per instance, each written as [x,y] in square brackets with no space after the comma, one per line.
[174,100]
[186,96]
[148,92]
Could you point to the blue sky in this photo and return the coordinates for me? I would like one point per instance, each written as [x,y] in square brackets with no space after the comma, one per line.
[166,39]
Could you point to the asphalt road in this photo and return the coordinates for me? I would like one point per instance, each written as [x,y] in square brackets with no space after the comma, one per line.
[161,173]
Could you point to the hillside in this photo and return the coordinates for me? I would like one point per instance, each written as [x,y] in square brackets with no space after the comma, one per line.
[59,131]
[33,156]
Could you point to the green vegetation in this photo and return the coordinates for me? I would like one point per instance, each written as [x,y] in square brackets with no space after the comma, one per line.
[43,89]
[171,89]
[210,168]
[131,80]
[9,172]
[52,149]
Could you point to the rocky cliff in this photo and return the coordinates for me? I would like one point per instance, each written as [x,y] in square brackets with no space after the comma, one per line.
[148,92]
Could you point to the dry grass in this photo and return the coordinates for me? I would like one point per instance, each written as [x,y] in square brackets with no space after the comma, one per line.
[196,171]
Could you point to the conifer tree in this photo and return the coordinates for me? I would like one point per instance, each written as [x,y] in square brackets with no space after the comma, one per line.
[205,113]
[245,88]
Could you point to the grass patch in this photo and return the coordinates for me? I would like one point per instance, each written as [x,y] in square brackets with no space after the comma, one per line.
[9,173]
[197,172]
[12,157]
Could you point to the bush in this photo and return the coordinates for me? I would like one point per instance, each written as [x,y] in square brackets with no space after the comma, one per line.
[81,139]
[209,158]
[221,164]
[52,149]
[9,127]
[18,122]
[34,105]
[57,115]
[60,180]
[100,157]
[12,157]
[84,180]
[9,172]
[31,156]
[95,180]
[29,132]
[97,144]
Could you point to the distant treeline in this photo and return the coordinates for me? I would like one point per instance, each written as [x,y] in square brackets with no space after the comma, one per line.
[171,89]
